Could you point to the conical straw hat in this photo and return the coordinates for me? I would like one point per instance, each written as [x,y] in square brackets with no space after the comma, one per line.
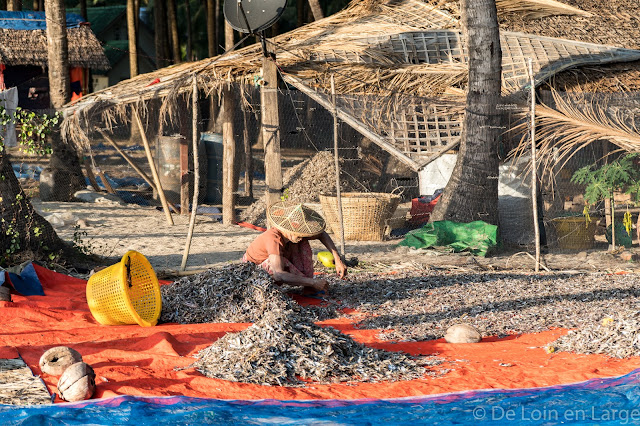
[295,218]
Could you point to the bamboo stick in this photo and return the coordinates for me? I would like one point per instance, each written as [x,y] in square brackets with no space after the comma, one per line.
[196,172]
[124,155]
[337,164]
[154,172]
[534,168]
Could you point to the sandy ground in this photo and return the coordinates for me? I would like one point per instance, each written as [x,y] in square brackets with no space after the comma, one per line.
[112,229]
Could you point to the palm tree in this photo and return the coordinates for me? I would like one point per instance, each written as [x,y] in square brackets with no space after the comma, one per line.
[14,5]
[132,34]
[22,229]
[211,27]
[160,32]
[64,175]
[472,191]
[172,17]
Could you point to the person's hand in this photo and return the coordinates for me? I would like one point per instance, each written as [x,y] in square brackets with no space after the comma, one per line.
[341,268]
[320,284]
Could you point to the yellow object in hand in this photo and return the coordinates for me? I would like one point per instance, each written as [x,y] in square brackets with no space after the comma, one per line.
[326,258]
[607,321]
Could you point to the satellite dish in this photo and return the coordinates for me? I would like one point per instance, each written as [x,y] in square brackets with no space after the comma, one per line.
[253,16]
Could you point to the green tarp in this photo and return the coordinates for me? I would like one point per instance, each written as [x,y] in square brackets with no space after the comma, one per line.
[477,237]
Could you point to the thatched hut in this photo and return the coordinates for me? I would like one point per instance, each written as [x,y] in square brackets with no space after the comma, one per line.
[399,68]
[23,55]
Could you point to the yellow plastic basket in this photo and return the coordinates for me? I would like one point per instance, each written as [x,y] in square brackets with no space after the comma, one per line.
[125,293]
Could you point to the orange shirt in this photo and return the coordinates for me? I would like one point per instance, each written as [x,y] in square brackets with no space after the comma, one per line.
[269,242]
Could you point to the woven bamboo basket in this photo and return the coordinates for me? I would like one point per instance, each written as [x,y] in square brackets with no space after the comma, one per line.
[364,214]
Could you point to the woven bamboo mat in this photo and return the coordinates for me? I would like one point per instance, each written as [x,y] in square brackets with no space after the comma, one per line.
[18,385]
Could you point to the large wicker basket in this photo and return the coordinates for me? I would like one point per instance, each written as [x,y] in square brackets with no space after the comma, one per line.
[364,214]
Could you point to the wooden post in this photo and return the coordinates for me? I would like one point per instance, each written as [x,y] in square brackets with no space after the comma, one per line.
[248,157]
[337,164]
[124,155]
[228,158]
[154,172]
[196,173]
[184,177]
[534,167]
[271,130]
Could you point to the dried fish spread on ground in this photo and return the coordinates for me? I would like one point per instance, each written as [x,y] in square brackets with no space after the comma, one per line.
[422,304]
[234,293]
[617,336]
[285,348]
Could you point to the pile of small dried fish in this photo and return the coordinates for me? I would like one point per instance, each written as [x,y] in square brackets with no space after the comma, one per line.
[617,336]
[306,181]
[422,304]
[285,348]
[234,293]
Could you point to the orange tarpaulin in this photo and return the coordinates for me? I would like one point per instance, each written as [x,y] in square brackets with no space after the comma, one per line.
[132,360]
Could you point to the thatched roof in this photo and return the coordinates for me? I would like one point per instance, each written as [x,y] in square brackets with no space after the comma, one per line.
[29,47]
[612,22]
[399,66]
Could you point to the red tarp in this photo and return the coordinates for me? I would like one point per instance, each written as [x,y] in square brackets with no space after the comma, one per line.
[132,360]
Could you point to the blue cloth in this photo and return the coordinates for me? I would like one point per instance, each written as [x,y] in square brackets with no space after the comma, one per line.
[27,282]
[33,20]
[608,401]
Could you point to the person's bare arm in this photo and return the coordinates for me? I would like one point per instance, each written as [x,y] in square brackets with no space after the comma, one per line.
[279,274]
[341,268]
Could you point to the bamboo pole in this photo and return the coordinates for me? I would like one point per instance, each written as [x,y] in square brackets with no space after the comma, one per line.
[154,172]
[248,158]
[196,173]
[124,155]
[534,168]
[337,164]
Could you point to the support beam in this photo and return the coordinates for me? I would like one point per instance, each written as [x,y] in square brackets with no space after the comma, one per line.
[271,130]
[154,172]
[124,155]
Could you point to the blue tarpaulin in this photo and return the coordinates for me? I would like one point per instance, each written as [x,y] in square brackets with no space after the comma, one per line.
[610,401]
[33,20]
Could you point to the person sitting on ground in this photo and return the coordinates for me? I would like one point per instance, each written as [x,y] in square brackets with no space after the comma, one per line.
[284,251]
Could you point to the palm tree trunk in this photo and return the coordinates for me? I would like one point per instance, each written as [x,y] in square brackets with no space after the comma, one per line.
[64,172]
[316,9]
[160,30]
[58,53]
[14,5]
[133,38]
[83,9]
[472,192]
[22,229]
[173,31]
[187,10]
[211,27]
